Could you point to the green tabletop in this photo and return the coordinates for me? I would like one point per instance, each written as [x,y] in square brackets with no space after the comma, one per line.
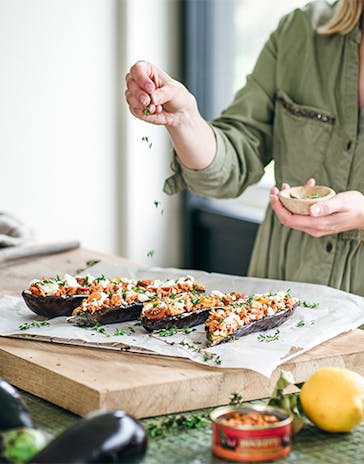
[311,445]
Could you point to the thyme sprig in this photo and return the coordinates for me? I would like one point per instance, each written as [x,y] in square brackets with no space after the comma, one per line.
[159,428]
[206,355]
[269,338]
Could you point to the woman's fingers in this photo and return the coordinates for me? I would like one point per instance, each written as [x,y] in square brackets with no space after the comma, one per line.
[310,183]
[143,73]
[324,208]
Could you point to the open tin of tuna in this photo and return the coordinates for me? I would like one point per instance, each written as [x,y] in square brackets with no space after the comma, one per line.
[254,433]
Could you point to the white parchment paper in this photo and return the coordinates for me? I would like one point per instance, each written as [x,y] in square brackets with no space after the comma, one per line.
[337,312]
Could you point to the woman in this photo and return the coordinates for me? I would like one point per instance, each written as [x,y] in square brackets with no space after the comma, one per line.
[300,107]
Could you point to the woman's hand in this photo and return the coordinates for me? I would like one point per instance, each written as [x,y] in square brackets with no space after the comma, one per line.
[345,211]
[155,97]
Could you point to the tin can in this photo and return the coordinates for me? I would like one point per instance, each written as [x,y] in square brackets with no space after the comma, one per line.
[251,443]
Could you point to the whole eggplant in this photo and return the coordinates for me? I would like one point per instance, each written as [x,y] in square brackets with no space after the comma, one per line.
[13,413]
[105,437]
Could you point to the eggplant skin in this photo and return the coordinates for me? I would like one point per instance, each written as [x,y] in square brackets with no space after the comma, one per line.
[52,306]
[268,322]
[110,315]
[187,319]
[13,413]
[104,437]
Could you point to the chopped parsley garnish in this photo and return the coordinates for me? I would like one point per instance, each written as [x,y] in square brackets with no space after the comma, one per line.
[188,330]
[102,330]
[167,332]
[150,253]
[306,304]
[34,324]
[118,332]
[300,324]
[145,138]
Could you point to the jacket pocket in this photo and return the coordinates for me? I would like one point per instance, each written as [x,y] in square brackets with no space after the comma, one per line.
[300,139]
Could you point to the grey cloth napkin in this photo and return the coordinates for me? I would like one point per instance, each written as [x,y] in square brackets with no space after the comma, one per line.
[13,232]
[17,241]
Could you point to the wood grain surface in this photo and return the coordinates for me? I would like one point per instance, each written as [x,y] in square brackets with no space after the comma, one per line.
[83,379]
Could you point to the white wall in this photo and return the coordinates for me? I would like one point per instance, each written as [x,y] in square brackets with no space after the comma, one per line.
[72,163]
[151,31]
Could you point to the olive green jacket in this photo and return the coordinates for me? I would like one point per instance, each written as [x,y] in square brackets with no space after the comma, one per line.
[300,108]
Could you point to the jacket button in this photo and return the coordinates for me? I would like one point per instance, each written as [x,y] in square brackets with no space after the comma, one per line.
[329,247]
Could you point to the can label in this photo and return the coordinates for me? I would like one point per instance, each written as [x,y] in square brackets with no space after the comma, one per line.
[251,445]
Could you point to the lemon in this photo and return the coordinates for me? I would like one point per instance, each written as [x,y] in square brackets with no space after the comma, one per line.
[333,399]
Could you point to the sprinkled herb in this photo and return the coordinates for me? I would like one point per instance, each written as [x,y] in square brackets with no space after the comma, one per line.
[157,203]
[306,304]
[102,330]
[167,332]
[99,279]
[235,399]
[128,330]
[48,282]
[118,332]
[206,355]
[300,324]
[188,330]
[145,138]
[269,338]
[34,324]
[89,263]
[150,253]
[293,196]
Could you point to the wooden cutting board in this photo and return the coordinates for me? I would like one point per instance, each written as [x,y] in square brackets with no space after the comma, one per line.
[84,379]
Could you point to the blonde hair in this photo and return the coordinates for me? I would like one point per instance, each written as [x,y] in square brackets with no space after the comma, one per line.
[346,17]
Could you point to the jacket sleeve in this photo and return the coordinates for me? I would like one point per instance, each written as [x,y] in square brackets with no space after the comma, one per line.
[243,134]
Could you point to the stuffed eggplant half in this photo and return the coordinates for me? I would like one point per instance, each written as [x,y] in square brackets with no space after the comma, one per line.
[252,314]
[58,296]
[185,310]
[124,303]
